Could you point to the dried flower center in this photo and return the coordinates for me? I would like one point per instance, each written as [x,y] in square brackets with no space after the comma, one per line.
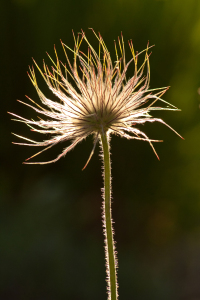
[99,120]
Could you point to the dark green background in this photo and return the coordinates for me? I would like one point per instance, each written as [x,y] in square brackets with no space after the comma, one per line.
[51,243]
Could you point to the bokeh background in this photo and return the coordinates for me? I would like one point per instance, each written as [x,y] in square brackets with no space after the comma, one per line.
[51,242]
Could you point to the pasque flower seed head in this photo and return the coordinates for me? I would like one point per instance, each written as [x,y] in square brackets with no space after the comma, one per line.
[100,100]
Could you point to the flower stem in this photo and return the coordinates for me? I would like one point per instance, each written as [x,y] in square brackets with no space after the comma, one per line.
[110,254]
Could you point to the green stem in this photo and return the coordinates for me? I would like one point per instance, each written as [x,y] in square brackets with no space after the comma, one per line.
[110,254]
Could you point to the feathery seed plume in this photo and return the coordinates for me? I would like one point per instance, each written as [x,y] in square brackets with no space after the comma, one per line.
[101,99]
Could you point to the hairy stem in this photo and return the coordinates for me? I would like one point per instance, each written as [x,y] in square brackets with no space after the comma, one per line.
[110,254]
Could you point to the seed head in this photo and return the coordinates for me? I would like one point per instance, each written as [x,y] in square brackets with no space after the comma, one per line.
[101,100]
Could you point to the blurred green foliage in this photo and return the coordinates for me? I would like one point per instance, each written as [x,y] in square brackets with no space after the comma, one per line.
[50,217]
